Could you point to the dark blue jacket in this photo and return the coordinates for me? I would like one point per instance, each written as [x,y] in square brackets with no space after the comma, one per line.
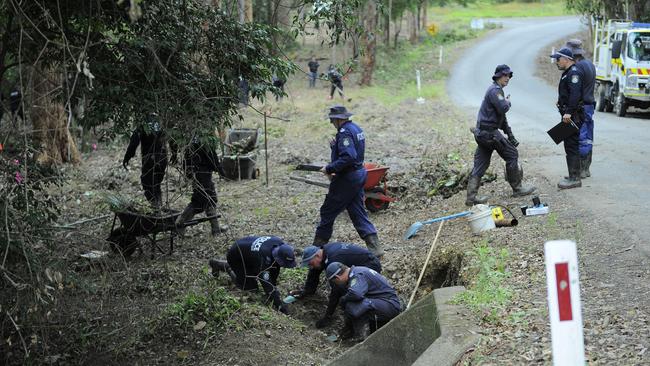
[152,141]
[365,283]
[253,255]
[492,114]
[570,91]
[348,149]
[588,71]
[348,254]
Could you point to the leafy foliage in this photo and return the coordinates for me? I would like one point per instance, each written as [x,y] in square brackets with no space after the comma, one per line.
[487,293]
[214,308]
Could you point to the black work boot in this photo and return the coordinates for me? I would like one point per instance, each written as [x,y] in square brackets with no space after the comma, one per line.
[361,329]
[472,190]
[514,177]
[218,265]
[585,163]
[372,242]
[214,222]
[187,214]
[573,181]
[347,331]
[319,242]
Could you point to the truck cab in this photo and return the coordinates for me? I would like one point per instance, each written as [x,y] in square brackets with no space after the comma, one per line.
[622,60]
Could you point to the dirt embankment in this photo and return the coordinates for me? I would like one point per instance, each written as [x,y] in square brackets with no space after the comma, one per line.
[546,69]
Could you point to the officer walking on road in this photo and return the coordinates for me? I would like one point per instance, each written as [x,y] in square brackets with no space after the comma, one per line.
[570,106]
[491,118]
[369,301]
[586,136]
[152,141]
[256,259]
[347,176]
[317,260]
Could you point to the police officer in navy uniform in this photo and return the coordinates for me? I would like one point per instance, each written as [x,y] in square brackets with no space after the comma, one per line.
[491,118]
[586,136]
[200,160]
[336,81]
[317,260]
[153,148]
[313,71]
[256,259]
[347,176]
[369,301]
[570,106]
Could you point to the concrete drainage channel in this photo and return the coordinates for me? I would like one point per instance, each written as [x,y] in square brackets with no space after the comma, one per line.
[432,332]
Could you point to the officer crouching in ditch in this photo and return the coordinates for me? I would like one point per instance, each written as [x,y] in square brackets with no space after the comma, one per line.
[369,301]
[256,259]
[318,258]
[491,119]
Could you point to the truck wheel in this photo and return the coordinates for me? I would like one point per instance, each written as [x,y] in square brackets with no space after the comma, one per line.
[620,106]
[601,101]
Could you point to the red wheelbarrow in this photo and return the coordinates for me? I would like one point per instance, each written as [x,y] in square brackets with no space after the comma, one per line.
[375,188]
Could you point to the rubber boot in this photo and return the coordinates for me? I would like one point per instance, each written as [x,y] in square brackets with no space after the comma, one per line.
[472,190]
[347,331]
[573,181]
[187,214]
[361,329]
[514,177]
[218,265]
[319,242]
[214,222]
[585,163]
[372,242]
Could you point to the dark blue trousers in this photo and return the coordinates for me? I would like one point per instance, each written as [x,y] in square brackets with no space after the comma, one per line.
[345,193]
[586,139]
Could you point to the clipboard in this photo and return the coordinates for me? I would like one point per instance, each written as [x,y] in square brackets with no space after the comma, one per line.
[562,130]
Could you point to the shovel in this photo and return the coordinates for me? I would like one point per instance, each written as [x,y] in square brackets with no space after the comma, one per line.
[418,225]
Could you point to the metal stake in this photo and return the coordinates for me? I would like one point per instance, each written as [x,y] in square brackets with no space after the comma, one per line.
[266,151]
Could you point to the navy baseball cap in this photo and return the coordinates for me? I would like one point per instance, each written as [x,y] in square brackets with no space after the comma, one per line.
[339,112]
[308,254]
[576,46]
[283,254]
[563,52]
[502,70]
[333,269]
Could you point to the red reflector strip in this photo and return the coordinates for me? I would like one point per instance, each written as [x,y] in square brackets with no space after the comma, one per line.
[563,291]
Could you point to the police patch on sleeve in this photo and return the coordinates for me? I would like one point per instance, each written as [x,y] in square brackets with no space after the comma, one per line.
[353,282]
[500,96]
[346,142]
[575,79]
[265,276]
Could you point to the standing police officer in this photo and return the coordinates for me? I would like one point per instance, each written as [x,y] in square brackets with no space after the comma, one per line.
[256,259]
[491,118]
[336,81]
[318,258]
[313,71]
[152,141]
[369,302]
[200,160]
[570,106]
[586,136]
[347,176]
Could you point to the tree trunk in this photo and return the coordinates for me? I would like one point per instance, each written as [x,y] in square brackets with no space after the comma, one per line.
[248,11]
[369,43]
[413,34]
[389,16]
[398,29]
[52,137]
[423,23]
[241,10]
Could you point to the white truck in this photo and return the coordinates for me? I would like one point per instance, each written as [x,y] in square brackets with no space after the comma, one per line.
[622,60]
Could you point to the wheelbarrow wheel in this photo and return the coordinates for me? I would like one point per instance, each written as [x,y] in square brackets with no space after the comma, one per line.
[123,242]
[375,204]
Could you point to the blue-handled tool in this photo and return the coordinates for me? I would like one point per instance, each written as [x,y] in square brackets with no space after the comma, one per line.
[418,225]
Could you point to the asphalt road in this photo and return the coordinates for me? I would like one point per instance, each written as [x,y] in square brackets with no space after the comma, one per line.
[619,189]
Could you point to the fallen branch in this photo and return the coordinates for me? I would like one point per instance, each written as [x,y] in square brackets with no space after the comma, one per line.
[72,224]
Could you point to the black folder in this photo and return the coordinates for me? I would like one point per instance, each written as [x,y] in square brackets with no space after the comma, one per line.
[562,130]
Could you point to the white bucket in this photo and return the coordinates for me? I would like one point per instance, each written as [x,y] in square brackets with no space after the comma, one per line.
[481,221]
